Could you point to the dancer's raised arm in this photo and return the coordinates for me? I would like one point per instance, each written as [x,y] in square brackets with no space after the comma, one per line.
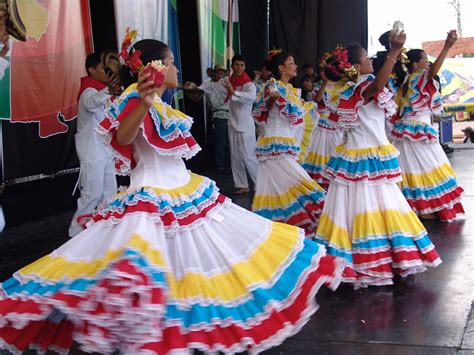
[448,43]
[397,40]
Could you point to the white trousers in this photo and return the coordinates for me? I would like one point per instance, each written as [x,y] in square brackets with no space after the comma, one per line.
[97,183]
[242,156]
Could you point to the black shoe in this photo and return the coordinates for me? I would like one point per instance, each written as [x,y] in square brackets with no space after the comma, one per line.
[407,281]
[447,149]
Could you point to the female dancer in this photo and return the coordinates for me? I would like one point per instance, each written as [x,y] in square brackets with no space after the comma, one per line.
[429,182]
[325,137]
[170,264]
[284,191]
[366,218]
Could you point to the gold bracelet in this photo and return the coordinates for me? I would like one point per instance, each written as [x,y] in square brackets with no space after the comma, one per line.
[388,57]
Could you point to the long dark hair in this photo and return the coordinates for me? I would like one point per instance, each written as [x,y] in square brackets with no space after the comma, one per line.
[150,49]
[414,56]
[276,61]
[332,70]
[384,40]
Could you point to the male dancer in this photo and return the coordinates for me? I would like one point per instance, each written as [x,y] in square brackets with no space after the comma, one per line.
[242,95]
[97,175]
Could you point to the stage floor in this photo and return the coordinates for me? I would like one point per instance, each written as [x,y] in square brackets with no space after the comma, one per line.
[433,316]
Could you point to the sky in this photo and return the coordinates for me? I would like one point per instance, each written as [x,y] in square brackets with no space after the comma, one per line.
[424,20]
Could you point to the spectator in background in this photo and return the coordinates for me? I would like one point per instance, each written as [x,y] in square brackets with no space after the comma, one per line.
[216,94]
[308,73]
[468,135]
[307,89]
[262,74]
[261,77]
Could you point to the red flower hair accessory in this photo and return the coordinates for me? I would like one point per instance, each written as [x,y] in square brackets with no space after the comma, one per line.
[129,55]
[341,66]
[131,58]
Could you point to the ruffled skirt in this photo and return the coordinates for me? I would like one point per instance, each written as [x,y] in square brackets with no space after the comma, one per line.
[414,130]
[367,221]
[276,147]
[371,165]
[286,193]
[321,148]
[374,229]
[162,271]
[429,182]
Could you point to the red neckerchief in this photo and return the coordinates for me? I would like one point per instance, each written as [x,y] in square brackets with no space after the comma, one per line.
[236,81]
[240,80]
[89,82]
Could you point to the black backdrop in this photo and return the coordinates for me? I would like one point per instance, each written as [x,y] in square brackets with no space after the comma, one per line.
[294,27]
[26,154]
[104,33]
[253,32]
[191,71]
[342,22]
[308,28]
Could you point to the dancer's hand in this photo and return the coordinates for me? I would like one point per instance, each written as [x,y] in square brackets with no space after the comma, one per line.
[228,85]
[448,43]
[226,82]
[451,39]
[146,88]
[273,94]
[397,40]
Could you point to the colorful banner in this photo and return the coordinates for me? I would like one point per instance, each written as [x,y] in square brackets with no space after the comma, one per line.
[39,82]
[40,78]
[457,84]
[218,32]
[156,19]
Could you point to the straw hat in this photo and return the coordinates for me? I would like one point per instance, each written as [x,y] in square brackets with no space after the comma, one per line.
[111,61]
[210,71]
